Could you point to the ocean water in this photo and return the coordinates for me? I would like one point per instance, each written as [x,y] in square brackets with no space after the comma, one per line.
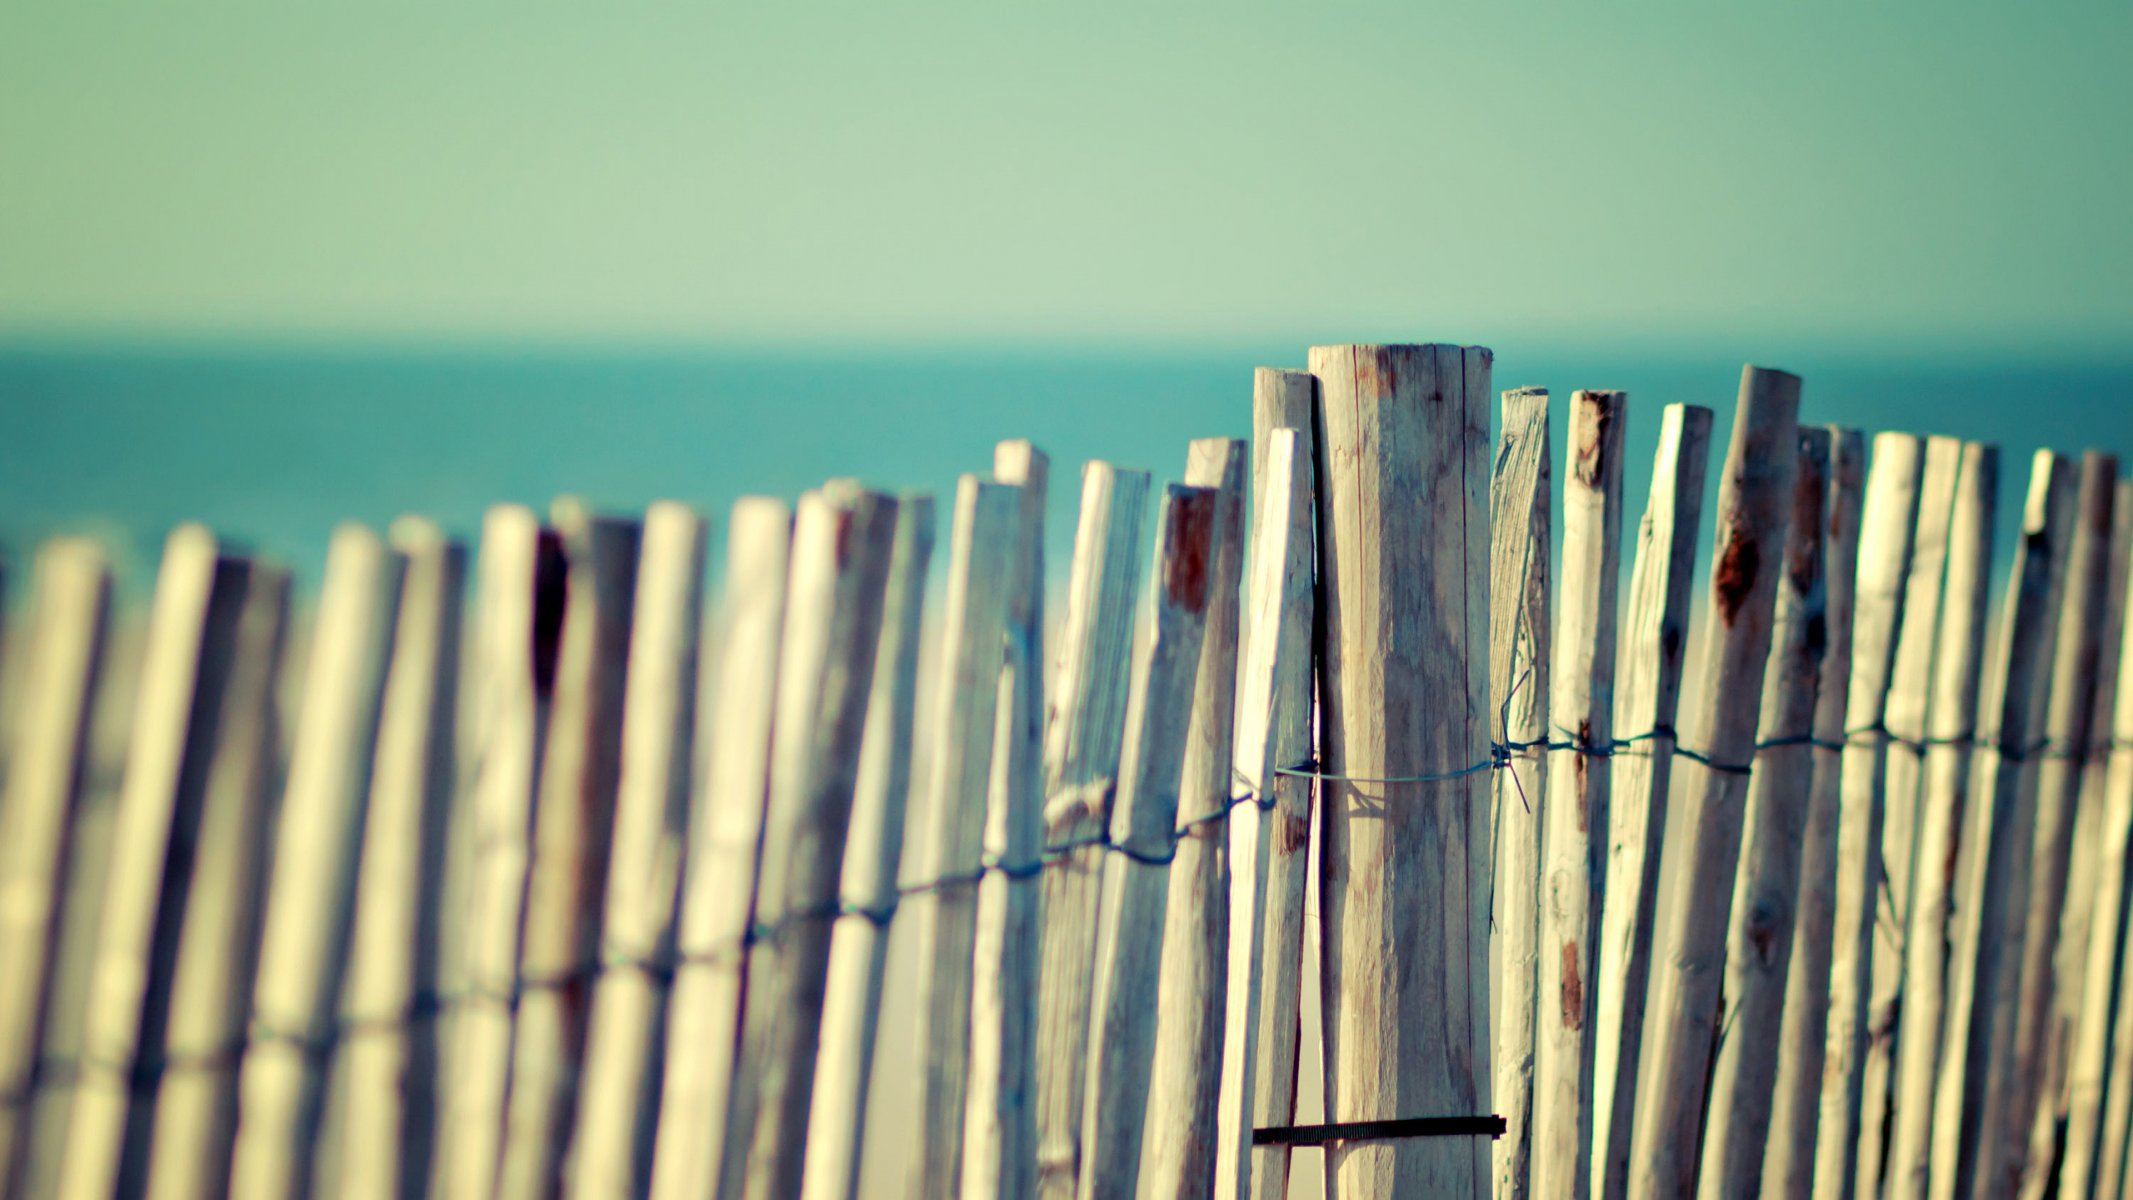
[273,446]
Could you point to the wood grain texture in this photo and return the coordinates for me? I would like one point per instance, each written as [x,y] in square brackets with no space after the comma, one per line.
[1789,1155]
[999,1136]
[573,831]
[1521,527]
[718,895]
[1987,946]
[1082,743]
[46,768]
[1754,507]
[310,899]
[965,714]
[1179,1145]
[1759,934]
[1143,840]
[611,1154]
[1574,817]
[1655,638]
[859,946]
[1951,718]
[1403,564]
[842,543]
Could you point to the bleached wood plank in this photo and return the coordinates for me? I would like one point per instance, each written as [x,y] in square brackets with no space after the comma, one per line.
[1143,840]
[999,1130]
[615,1115]
[1655,638]
[1987,946]
[851,1006]
[1178,1143]
[952,820]
[1521,500]
[1403,556]
[310,898]
[842,544]
[1082,743]
[1951,717]
[718,894]
[1574,817]
[520,612]
[1789,1158]
[1754,503]
[1760,931]
[1259,934]
[387,1051]
[1910,684]
[46,768]
[573,830]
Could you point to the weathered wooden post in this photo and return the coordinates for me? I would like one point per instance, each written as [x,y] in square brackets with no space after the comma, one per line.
[1759,937]
[999,1131]
[46,769]
[1951,717]
[718,893]
[1081,758]
[304,940]
[1910,685]
[1574,820]
[1655,639]
[1178,1150]
[1403,555]
[1987,948]
[613,1131]
[1796,1092]
[387,1056]
[965,709]
[1754,504]
[859,946]
[1521,525]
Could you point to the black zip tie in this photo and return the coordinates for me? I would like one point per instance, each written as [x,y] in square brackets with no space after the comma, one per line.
[1367,1131]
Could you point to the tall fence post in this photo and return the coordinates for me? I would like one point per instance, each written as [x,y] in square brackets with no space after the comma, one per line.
[1950,728]
[1759,936]
[1521,525]
[1655,638]
[1574,818]
[1405,873]
[1754,503]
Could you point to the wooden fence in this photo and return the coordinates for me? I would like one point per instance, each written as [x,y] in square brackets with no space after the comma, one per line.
[587,889]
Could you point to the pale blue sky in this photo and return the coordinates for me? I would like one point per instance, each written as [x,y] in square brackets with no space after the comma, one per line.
[1935,174]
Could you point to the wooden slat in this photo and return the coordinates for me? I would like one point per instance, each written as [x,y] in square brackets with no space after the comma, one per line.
[1755,498]
[1129,944]
[1403,555]
[842,544]
[851,1005]
[520,613]
[1655,637]
[1000,1132]
[725,839]
[46,770]
[1521,500]
[185,673]
[1179,1144]
[573,827]
[1951,718]
[615,1114]
[1987,948]
[1789,1158]
[1910,685]
[1760,931]
[952,814]
[1574,817]
[1082,742]
[387,1052]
